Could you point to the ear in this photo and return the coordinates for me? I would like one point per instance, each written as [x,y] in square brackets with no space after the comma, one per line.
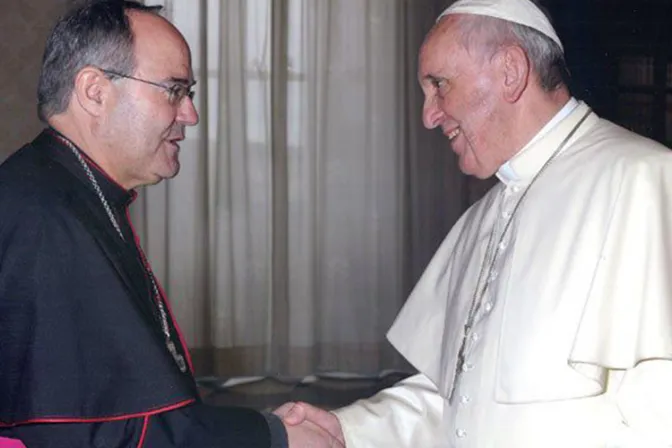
[516,69]
[92,90]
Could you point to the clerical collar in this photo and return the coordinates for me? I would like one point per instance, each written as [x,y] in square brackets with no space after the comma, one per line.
[506,172]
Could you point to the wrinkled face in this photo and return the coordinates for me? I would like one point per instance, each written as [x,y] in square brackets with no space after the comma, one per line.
[462,98]
[144,125]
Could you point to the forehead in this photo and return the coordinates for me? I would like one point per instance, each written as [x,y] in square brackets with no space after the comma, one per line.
[160,49]
[442,49]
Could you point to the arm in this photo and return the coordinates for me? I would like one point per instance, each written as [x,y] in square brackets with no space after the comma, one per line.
[36,273]
[202,426]
[196,426]
[409,414]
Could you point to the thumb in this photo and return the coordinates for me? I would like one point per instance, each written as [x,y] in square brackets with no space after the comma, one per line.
[282,410]
[295,415]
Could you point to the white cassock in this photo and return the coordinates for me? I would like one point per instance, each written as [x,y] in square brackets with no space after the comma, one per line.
[572,346]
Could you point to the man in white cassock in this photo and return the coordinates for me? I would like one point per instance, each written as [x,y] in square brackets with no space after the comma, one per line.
[545,317]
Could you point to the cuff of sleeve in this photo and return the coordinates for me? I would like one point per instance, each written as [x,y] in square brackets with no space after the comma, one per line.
[277,430]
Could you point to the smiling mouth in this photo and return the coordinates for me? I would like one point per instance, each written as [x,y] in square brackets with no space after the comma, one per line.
[452,134]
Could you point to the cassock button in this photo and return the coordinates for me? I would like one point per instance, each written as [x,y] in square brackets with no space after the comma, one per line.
[502,245]
[506,214]
[465,399]
[493,276]
[467,367]
[461,433]
[515,188]
[475,337]
[488,306]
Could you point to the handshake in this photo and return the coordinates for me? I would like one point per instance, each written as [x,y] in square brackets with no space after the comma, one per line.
[310,427]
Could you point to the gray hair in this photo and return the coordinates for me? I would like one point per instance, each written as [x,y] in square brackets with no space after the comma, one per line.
[487,35]
[96,33]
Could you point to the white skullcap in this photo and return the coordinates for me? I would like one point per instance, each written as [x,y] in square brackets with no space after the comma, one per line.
[523,12]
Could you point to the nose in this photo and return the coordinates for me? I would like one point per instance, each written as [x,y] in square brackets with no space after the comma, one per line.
[186,113]
[431,113]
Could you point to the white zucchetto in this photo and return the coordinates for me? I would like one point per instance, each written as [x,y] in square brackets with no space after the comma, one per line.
[523,12]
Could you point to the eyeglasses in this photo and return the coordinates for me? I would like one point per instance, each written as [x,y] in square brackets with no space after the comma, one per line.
[176,92]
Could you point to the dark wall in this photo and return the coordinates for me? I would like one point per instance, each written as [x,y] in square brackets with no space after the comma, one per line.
[599,36]
[24,26]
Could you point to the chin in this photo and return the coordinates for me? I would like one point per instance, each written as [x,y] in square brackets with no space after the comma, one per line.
[175,171]
[171,167]
[468,168]
[475,170]
[162,175]
[170,174]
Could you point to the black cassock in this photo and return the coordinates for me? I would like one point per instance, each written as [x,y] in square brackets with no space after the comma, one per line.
[83,359]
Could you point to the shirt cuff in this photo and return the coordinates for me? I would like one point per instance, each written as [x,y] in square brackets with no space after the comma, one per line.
[277,430]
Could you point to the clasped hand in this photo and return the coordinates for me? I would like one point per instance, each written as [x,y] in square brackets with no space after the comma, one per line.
[310,427]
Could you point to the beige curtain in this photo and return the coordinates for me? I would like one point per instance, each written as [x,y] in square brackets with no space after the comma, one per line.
[310,199]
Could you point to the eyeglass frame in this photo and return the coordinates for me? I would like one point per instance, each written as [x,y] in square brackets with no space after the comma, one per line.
[172,90]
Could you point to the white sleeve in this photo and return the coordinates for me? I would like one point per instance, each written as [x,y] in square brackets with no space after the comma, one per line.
[644,400]
[408,414]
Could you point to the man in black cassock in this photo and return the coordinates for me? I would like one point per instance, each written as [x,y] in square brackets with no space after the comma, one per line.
[90,355]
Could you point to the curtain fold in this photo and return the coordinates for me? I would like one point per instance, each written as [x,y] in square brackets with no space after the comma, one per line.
[310,198]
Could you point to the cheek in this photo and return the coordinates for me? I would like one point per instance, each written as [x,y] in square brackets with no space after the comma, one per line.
[481,132]
[152,116]
[481,112]
[155,129]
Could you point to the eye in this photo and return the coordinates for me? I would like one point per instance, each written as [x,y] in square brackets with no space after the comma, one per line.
[440,84]
[177,92]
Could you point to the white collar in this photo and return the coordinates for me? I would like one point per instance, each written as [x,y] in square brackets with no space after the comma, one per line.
[506,173]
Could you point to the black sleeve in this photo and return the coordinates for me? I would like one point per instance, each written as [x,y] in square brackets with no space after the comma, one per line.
[203,426]
[196,426]
[279,437]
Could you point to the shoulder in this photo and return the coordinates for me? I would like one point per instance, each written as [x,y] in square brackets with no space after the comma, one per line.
[606,167]
[620,145]
[34,194]
[612,154]
[31,180]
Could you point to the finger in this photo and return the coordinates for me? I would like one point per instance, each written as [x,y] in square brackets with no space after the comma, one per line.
[318,435]
[284,409]
[295,415]
[314,414]
[335,443]
[324,419]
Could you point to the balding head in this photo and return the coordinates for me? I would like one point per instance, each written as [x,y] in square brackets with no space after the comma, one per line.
[97,33]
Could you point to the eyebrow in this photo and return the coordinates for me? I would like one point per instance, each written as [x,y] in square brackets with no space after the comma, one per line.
[184,81]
